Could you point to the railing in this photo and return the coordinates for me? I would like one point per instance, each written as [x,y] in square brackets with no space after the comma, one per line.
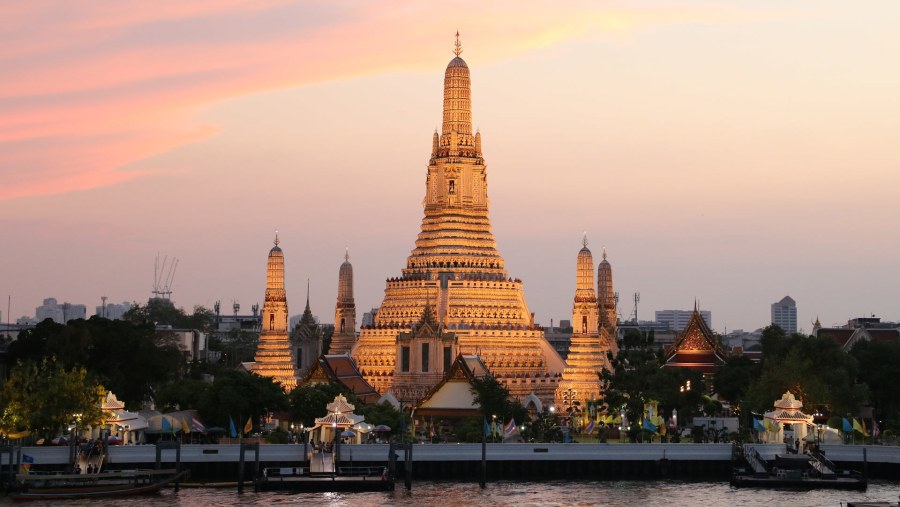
[755,459]
[827,464]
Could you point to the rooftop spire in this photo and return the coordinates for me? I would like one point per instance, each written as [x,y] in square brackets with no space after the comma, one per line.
[457,48]
[276,238]
[604,253]
[347,254]
[584,241]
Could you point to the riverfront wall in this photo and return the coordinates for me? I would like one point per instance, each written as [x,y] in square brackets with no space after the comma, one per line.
[463,461]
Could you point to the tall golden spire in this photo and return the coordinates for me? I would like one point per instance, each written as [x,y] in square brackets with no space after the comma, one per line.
[274,356]
[457,47]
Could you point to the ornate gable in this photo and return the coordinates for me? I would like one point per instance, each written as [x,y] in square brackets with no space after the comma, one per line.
[697,347]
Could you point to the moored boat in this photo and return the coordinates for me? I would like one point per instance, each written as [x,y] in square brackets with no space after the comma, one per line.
[803,471]
[52,486]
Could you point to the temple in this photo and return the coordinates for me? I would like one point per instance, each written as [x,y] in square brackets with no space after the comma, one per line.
[344,311]
[456,273]
[274,354]
[306,339]
[696,348]
[590,341]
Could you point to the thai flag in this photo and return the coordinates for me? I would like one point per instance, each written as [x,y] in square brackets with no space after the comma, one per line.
[590,428]
[196,425]
[510,428]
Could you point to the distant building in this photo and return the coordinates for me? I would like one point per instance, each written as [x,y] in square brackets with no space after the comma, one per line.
[59,313]
[784,314]
[113,311]
[676,320]
[559,337]
[191,342]
[368,319]
[860,329]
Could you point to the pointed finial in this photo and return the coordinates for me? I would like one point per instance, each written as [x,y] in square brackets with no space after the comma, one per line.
[307,290]
[584,239]
[696,305]
[276,238]
[457,47]
[604,253]
[347,254]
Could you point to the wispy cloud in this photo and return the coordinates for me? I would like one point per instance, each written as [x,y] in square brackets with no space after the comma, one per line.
[90,87]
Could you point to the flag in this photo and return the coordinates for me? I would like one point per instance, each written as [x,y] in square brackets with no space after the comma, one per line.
[232,431]
[249,426]
[27,459]
[847,427]
[510,428]
[758,425]
[197,425]
[431,430]
[166,425]
[184,426]
[590,428]
[487,429]
[649,425]
[875,431]
[860,427]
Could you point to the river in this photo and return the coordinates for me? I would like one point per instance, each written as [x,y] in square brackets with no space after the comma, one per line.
[520,494]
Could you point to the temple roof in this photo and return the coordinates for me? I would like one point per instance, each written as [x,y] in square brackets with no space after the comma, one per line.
[696,347]
[453,395]
[341,369]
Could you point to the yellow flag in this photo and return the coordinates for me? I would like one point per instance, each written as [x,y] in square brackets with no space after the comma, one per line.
[185,428]
[860,427]
[249,426]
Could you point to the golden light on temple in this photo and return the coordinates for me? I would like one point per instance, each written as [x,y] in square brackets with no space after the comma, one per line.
[274,354]
[455,280]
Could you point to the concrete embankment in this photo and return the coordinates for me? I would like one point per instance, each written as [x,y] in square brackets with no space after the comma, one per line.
[463,461]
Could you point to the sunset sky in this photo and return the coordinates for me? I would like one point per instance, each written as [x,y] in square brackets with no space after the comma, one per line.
[728,152]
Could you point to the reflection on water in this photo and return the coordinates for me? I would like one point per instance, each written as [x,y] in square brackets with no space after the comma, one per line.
[520,494]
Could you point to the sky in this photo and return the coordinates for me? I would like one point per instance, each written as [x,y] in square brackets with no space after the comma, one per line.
[730,153]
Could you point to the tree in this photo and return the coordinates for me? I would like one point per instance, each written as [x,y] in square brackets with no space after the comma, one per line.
[308,402]
[813,369]
[46,397]
[878,370]
[493,399]
[132,360]
[239,395]
[733,380]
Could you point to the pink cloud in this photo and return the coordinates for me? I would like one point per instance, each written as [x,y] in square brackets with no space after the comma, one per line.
[90,88]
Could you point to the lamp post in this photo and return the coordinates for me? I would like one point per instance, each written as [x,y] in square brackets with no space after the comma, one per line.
[494,428]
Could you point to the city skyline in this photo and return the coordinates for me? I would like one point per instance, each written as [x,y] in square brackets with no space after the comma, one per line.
[714,163]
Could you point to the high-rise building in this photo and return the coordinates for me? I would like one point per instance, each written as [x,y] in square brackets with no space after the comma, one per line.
[590,342]
[676,320]
[456,270]
[344,311]
[784,314]
[113,311]
[274,355]
[59,313]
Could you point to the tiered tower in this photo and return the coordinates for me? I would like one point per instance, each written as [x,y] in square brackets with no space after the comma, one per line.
[606,302]
[344,311]
[307,340]
[274,357]
[587,352]
[456,269]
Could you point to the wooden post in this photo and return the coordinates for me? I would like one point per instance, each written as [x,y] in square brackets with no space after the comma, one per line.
[483,479]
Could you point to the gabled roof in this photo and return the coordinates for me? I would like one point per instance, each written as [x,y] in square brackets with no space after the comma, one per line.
[869,334]
[696,347]
[340,368]
[839,334]
[453,395]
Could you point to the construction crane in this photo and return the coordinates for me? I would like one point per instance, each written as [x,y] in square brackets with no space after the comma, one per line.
[163,276]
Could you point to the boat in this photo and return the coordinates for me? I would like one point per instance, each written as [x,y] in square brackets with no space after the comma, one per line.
[345,479]
[810,470]
[62,486]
